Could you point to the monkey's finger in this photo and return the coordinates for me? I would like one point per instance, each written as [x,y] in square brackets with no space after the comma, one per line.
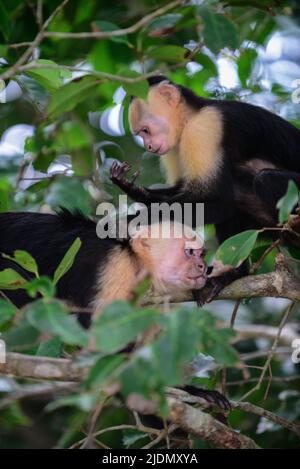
[218,286]
[199,297]
[124,169]
[114,169]
[134,176]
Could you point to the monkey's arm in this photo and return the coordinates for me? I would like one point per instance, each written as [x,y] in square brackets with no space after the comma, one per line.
[218,206]
[118,175]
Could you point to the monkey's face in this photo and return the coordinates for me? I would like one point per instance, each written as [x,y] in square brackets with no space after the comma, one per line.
[156,120]
[180,264]
[175,263]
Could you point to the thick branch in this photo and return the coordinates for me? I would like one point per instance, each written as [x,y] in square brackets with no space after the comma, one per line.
[193,420]
[278,284]
[35,367]
[207,428]
[185,397]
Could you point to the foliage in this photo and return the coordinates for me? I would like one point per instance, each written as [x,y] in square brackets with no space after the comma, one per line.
[63,90]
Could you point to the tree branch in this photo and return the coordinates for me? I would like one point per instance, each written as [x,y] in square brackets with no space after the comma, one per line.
[118,32]
[206,427]
[102,75]
[278,284]
[35,367]
[193,420]
[254,409]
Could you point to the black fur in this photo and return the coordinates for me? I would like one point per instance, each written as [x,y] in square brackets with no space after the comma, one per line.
[241,197]
[249,133]
[47,237]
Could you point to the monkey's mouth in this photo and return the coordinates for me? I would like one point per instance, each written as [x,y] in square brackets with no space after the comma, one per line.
[197,281]
[160,150]
[156,152]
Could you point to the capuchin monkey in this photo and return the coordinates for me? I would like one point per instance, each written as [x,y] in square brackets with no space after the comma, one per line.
[107,269]
[235,157]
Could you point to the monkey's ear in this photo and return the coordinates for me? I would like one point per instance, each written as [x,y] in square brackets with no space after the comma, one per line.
[170,93]
[140,246]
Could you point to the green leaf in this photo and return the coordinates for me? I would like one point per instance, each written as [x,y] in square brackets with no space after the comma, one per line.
[139,89]
[49,78]
[53,317]
[215,342]
[245,65]
[5,191]
[50,348]
[236,248]
[68,192]
[130,437]
[103,369]
[119,323]
[207,63]
[288,202]
[25,260]
[173,350]
[42,161]
[21,337]
[42,285]
[108,26]
[218,32]
[7,311]
[5,23]
[68,96]
[173,54]
[82,163]
[11,280]
[67,261]
[83,401]
[163,23]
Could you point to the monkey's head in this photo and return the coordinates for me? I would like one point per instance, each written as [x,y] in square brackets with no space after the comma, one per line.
[158,119]
[175,259]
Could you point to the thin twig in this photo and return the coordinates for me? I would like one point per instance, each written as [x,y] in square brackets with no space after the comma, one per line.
[253,409]
[232,321]
[257,264]
[93,423]
[271,353]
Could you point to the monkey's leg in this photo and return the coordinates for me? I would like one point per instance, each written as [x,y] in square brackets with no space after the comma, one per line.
[271,184]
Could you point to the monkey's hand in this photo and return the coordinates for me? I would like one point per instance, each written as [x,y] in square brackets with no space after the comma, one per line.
[211,396]
[216,285]
[211,290]
[118,175]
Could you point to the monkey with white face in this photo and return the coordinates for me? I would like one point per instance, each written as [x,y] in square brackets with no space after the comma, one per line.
[107,269]
[234,157]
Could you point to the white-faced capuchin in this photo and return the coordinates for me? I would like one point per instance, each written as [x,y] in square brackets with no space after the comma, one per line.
[235,157]
[107,269]
[104,269]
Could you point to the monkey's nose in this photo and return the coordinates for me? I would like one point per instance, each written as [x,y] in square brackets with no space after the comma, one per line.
[201,267]
[149,147]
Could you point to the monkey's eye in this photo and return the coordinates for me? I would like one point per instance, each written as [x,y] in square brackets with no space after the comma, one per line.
[145,130]
[189,252]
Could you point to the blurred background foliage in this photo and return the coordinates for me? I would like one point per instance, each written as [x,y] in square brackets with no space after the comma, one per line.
[62,122]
